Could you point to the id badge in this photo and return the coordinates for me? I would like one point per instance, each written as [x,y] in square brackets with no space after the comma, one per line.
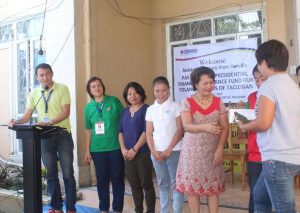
[99,128]
[46,119]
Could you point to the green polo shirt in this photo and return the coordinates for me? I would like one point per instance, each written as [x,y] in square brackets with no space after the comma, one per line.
[108,111]
[59,97]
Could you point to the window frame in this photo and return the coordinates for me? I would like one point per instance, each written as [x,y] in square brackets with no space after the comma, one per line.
[213,38]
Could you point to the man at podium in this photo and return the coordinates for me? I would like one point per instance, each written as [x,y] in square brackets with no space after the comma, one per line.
[52,103]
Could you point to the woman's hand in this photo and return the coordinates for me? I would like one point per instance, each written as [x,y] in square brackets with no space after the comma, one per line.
[125,153]
[213,128]
[158,155]
[131,154]
[218,157]
[167,153]
[87,157]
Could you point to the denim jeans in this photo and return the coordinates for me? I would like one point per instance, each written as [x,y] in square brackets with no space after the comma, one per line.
[60,147]
[277,181]
[109,166]
[254,171]
[166,177]
[139,174]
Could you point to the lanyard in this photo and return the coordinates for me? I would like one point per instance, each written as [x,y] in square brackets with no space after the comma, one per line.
[101,107]
[46,100]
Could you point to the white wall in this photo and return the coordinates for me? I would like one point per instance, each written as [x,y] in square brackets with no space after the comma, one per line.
[60,54]
[298,28]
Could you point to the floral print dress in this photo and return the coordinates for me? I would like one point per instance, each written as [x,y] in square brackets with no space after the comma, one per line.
[196,174]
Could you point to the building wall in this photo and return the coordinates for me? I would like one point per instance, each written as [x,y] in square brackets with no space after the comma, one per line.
[119,49]
[5,100]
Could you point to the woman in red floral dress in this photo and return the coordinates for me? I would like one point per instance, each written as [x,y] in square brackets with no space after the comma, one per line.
[200,169]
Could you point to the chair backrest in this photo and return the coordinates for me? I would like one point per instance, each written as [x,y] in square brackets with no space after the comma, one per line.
[236,137]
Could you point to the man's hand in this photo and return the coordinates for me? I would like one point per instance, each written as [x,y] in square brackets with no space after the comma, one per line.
[11,122]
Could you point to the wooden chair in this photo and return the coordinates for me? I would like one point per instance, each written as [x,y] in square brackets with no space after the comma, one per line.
[233,153]
[297,181]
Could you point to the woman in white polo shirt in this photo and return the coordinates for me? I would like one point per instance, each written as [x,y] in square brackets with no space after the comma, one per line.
[164,132]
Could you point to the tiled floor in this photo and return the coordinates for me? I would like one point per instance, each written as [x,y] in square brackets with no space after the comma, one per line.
[233,200]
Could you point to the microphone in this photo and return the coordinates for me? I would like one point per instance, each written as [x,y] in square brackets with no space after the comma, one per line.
[46,87]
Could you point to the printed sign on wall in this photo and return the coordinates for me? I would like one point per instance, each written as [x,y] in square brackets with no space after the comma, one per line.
[232,61]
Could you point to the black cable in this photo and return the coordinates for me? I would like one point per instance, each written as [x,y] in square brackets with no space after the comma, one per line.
[41,52]
[26,10]
[63,46]
[44,18]
[67,38]
[140,19]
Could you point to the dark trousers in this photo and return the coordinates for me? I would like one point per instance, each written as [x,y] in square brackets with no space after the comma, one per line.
[59,145]
[254,170]
[139,174]
[110,167]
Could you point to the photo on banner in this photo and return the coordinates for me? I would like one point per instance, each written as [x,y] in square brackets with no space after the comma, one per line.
[232,61]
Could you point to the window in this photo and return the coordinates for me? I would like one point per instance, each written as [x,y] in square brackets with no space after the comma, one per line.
[213,30]
[192,30]
[6,33]
[28,57]
[24,35]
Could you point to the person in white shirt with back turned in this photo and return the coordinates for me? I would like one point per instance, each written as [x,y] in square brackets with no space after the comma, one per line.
[277,126]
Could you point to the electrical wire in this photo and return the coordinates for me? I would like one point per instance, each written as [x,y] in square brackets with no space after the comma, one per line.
[119,10]
[44,15]
[63,46]
[40,52]
[17,14]
[67,38]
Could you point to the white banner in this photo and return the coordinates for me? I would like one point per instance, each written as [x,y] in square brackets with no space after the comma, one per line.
[232,61]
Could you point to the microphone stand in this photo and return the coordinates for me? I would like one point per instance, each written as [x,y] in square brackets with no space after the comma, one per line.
[43,91]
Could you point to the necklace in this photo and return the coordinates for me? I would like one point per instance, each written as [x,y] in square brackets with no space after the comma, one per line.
[204,102]
[134,110]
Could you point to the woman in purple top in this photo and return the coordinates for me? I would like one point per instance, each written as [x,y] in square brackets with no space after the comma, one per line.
[132,138]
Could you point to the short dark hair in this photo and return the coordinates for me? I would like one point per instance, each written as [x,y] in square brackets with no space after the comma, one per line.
[255,69]
[161,80]
[137,87]
[43,66]
[275,54]
[88,85]
[200,71]
[297,70]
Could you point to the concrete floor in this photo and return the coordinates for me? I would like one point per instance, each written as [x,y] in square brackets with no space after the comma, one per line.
[233,200]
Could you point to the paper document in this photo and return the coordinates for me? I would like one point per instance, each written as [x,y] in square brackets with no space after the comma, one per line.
[248,113]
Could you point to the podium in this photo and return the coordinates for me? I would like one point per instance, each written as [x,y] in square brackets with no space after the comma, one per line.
[32,181]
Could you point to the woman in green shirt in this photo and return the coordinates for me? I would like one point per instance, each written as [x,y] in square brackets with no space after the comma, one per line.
[102,116]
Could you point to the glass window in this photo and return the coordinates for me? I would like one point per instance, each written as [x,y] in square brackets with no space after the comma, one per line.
[29,28]
[231,38]
[39,56]
[258,36]
[22,81]
[6,33]
[191,30]
[226,25]
[202,42]
[200,29]
[180,32]
[250,21]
